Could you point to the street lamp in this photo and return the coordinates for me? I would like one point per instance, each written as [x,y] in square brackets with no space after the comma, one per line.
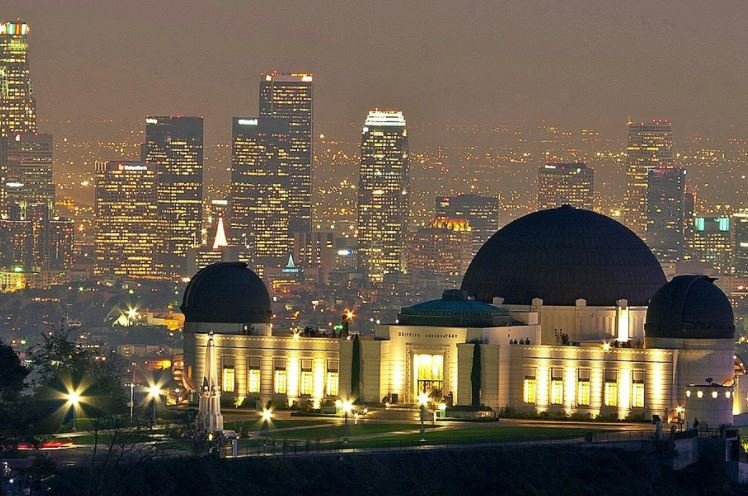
[423,400]
[266,415]
[74,399]
[154,392]
[347,407]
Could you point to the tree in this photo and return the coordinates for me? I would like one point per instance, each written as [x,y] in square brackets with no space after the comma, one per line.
[475,375]
[356,368]
[12,374]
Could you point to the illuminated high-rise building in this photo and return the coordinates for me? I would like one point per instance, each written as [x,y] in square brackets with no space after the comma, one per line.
[126,213]
[740,243]
[565,184]
[666,212]
[259,198]
[17,104]
[383,194]
[650,145]
[175,145]
[290,97]
[481,212]
[711,242]
[28,161]
[445,248]
[16,244]
[59,244]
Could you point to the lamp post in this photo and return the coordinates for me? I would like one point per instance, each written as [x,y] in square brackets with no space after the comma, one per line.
[266,415]
[423,400]
[154,392]
[347,407]
[74,399]
[132,392]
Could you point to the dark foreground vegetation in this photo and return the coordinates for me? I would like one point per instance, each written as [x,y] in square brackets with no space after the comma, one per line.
[547,471]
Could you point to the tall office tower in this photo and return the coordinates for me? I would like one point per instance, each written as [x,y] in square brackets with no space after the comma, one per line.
[383,194]
[28,160]
[711,242]
[290,97]
[259,198]
[445,248]
[481,212]
[650,145]
[126,213]
[17,104]
[315,252]
[16,245]
[565,184]
[175,145]
[666,212]
[740,243]
[59,244]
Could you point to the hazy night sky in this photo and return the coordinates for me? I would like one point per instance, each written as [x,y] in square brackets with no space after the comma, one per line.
[576,63]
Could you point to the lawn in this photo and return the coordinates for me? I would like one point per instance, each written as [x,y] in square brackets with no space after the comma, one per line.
[256,425]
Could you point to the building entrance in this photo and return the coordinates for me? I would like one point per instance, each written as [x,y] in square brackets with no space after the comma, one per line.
[428,371]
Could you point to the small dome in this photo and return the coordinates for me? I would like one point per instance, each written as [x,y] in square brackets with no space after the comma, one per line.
[226,292]
[690,307]
[561,255]
[455,309]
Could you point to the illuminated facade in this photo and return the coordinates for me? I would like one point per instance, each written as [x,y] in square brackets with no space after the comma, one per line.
[290,97]
[650,145]
[28,160]
[740,244]
[666,212]
[578,354]
[711,242]
[565,184]
[383,194]
[175,146]
[315,251]
[127,227]
[259,198]
[481,212]
[444,248]
[17,104]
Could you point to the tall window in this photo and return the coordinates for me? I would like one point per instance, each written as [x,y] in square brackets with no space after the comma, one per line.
[530,387]
[229,378]
[583,387]
[280,379]
[557,386]
[253,379]
[611,388]
[332,377]
[637,389]
[306,377]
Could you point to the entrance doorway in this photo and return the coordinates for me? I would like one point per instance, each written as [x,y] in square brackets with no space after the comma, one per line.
[428,372]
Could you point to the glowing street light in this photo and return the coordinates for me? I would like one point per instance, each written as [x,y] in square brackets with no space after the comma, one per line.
[423,400]
[154,391]
[266,416]
[73,400]
[347,406]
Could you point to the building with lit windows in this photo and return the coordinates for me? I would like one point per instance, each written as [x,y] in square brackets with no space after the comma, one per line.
[666,187]
[126,220]
[383,194]
[28,163]
[290,97]
[565,184]
[711,242]
[444,248]
[17,104]
[259,196]
[650,145]
[740,244]
[570,311]
[481,212]
[175,146]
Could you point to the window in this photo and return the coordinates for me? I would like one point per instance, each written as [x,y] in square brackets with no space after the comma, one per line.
[611,388]
[530,387]
[253,385]
[583,387]
[557,386]
[280,379]
[637,389]
[306,377]
[228,379]
[332,377]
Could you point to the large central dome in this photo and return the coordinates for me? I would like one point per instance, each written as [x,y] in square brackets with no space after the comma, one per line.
[561,255]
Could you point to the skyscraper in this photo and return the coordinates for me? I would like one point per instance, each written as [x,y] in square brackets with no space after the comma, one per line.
[28,160]
[445,248]
[126,212]
[650,145]
[175,145]
[740,243]
[711,242]
[481,212]
[666,212]
[565,184]
[59,244]
[17,104]
[290,97]
[259,198]
[383,194]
